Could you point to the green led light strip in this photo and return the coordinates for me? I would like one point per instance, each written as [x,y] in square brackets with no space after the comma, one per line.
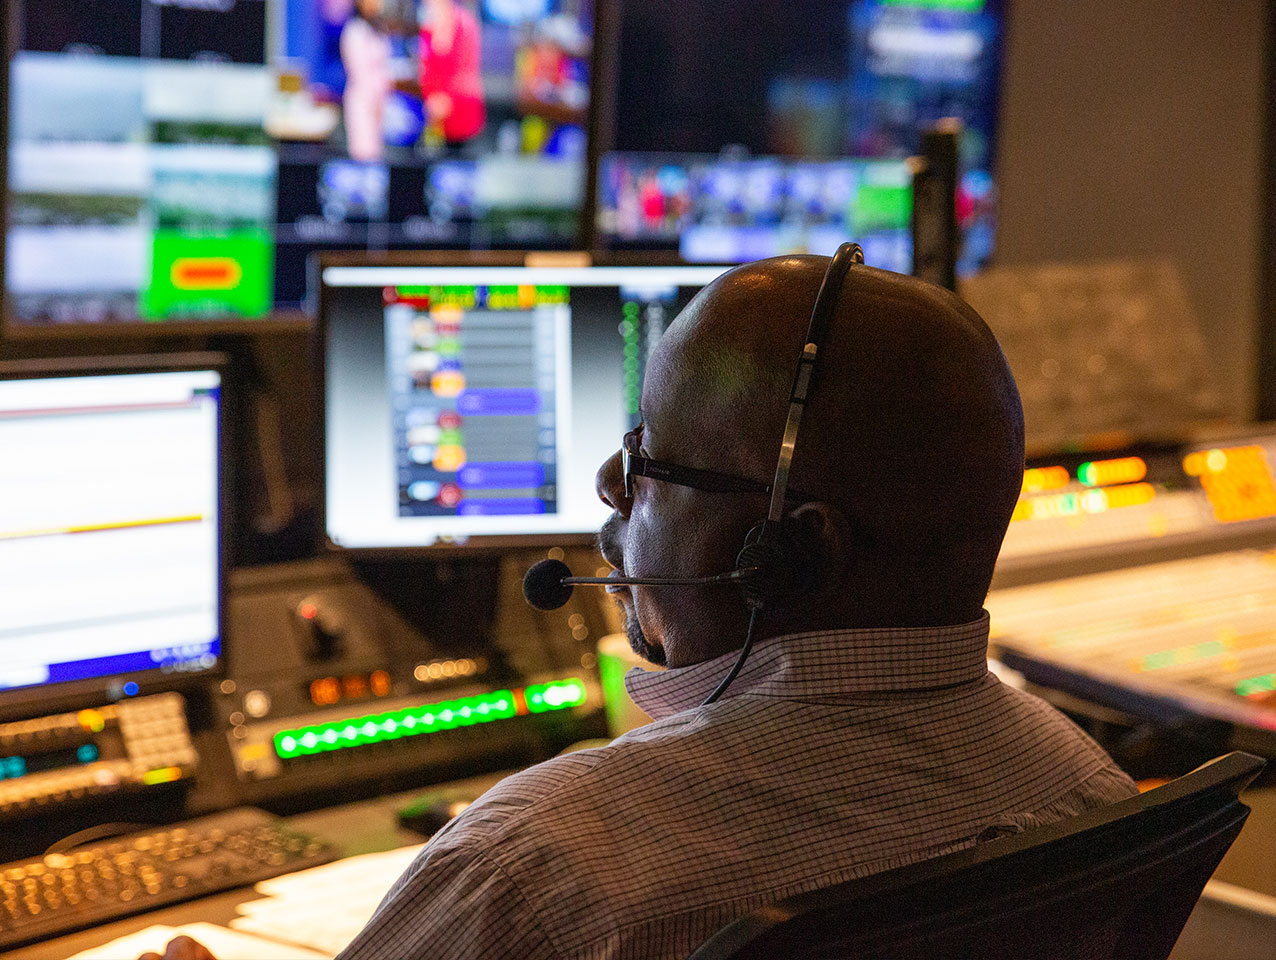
[429,718]
[559,695]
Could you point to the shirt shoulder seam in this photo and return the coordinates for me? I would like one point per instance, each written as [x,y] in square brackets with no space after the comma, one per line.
[546,796]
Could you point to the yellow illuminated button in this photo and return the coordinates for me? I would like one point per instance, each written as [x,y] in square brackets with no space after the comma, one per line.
[1044,478]
[1130,495]
[1101,473]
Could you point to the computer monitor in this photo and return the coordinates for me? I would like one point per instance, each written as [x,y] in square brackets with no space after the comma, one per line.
[111,528]
[471,405]
[749,130]
[174,164]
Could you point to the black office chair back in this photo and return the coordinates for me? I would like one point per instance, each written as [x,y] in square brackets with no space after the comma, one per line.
[1116,883]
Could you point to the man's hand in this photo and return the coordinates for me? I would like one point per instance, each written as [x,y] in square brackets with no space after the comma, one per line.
[181,948]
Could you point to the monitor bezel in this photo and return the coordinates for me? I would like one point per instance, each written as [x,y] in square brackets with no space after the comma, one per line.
[42,699]
[474,547]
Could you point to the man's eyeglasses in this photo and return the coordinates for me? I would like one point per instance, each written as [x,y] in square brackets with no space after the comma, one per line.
[636,465]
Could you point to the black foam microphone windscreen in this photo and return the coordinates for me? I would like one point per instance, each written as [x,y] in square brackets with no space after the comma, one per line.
[543,585]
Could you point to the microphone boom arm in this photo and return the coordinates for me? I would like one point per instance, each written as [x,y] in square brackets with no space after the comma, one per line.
[741,574]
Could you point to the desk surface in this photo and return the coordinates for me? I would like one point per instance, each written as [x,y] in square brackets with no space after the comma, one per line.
[368,826]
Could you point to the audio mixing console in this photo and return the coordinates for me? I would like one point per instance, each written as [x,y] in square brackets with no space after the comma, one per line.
[1144,579]
[1192,637]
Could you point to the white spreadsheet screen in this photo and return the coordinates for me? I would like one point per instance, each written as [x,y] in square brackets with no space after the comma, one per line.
[109,534]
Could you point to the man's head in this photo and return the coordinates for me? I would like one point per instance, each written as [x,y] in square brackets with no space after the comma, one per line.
[911,450]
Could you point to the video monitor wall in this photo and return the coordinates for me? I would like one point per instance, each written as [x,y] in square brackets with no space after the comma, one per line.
[175,160]
[741,131]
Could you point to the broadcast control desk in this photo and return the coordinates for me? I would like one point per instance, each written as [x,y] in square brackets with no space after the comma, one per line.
[377,848]
[365,827]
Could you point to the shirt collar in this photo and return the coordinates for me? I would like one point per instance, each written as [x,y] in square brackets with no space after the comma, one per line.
[824,663]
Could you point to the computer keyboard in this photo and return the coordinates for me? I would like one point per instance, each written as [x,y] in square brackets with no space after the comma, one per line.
[105,880]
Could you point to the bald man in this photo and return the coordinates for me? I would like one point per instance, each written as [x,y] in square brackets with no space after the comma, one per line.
[864,732]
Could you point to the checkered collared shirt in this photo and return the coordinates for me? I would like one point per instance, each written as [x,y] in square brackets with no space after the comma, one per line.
[832,756]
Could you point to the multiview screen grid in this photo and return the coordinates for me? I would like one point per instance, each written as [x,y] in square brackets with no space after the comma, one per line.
[109,550]
[179,159]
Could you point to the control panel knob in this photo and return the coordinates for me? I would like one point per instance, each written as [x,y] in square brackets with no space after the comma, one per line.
[322,631]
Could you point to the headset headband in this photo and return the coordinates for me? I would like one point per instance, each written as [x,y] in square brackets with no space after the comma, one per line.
[825,305]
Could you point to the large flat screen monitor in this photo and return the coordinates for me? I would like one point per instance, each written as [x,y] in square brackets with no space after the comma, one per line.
[110,527]
[472,405]
[746,130]
[176,161]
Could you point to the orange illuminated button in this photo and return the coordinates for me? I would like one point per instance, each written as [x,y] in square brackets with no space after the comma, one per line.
[325,691]
[206,273]
[1238,482]
[354,686]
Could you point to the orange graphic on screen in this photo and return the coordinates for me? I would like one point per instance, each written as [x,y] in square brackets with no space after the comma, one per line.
[449,458]
[205,273]
[447,383]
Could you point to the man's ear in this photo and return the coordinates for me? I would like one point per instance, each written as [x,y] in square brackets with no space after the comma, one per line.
[818,536]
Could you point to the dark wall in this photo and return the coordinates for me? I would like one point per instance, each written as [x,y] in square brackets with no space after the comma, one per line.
[1135,127]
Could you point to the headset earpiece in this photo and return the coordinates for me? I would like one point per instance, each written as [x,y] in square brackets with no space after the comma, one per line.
[784,570]
[767,555]
[787,566]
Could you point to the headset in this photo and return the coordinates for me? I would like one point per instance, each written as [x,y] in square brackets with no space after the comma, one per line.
[766,568]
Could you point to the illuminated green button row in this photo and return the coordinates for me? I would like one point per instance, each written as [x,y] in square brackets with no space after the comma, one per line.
[1168,658]
[558,695]
[359,731]
[432,717]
